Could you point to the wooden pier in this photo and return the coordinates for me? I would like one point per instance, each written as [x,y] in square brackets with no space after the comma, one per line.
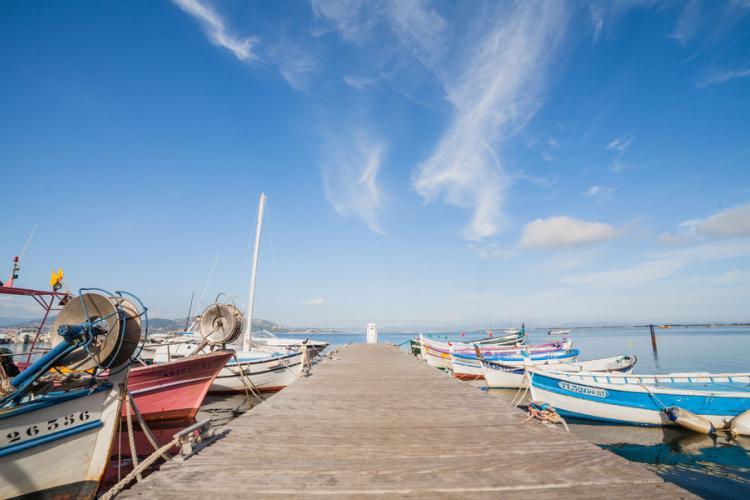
[376,422]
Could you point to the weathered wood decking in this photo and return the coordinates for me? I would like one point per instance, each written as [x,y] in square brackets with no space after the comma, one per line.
[376,422]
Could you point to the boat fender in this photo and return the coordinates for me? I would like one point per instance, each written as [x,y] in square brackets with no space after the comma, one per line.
[689,420]
[740,425]
[539,406]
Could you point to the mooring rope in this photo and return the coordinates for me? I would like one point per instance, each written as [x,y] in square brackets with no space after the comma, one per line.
[136,472]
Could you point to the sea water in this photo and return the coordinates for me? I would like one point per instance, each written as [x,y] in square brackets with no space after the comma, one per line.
[709,467]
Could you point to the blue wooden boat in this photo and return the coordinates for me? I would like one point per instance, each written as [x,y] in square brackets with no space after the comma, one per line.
[504,375]
[711,399]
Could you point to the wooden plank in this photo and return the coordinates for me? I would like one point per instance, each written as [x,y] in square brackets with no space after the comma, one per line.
[376,422]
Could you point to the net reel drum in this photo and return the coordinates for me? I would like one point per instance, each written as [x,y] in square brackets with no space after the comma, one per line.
[117,320]
[220,324]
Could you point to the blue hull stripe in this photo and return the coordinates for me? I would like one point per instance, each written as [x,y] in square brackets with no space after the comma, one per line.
[52,399]
[583,416]
[48,438]
[534,357]
[701,405]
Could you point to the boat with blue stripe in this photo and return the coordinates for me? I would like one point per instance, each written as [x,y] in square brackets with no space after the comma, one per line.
[504,375]
[643,399]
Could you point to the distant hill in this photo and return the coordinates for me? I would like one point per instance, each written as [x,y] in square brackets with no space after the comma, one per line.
[164,324]
[11,321]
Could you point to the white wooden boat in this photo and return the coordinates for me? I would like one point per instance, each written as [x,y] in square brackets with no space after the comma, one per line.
[462,361]
[264,369]
[267,339]
[261,371]
[559,331]
[56,431]
[720,399]
[501,374]
[59,445]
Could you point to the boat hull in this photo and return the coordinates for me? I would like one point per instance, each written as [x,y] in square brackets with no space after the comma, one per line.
[59,447]
[174,390]
[630,404]
[467,369]
[513,375]
[262,375]
[436,358]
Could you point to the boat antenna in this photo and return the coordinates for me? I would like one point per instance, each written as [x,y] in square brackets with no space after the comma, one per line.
[208,280]
[251,295]
[17,259]
[190,310]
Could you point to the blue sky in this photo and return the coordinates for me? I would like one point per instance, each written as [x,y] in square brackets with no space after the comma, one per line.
[448,164]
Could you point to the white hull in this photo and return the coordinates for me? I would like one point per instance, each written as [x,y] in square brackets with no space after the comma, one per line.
[606,411]
[510,379]
[436,358]
[501,379]
[262,374]
[62,448]
[468,369]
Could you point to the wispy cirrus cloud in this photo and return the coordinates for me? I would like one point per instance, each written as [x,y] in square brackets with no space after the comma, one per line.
[215,28]
[491,75]
[315,302]
[493,95]
[658,266]
[350,170]
[599,193]
[723,77]
[687,23]
[620,144]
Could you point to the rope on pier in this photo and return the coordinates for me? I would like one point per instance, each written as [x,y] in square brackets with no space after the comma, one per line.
[247,383]
[131,438]
[545,414]
[136,472]
[516,401]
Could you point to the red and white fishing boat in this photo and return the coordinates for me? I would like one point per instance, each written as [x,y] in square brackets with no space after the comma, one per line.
[176,389]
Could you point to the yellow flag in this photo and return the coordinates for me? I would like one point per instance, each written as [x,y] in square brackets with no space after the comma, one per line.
[56,278]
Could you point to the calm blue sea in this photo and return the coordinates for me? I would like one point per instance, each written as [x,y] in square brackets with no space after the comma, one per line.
[711,468]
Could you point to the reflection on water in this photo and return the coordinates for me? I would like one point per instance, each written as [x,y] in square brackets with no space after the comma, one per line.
[711,468]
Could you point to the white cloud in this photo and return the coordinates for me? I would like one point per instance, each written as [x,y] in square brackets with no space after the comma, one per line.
[724,76]
[350,170]
[361,82]
[687,24]
[620,144]
[662,265]
[597,21]
[729,223]
[215,29]
[553,142]
[349,18]
[732,222]
[599,193]
[493,95]
[493,251]
[563,231]
[317,301]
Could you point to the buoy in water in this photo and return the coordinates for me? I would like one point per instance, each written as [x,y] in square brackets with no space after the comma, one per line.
[740,425]
[689,420]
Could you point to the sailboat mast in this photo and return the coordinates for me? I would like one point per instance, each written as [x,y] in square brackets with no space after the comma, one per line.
[251,296]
